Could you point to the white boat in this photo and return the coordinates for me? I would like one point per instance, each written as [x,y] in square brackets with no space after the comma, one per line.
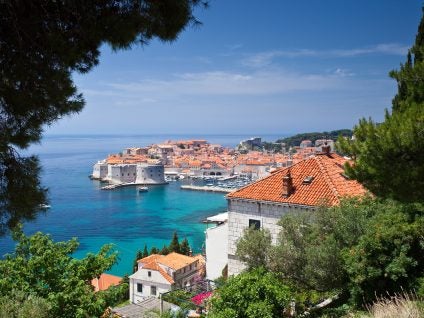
[44,206]
[143,189]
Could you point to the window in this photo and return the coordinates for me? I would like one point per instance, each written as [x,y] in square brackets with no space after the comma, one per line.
[153,290]
[256,224]
[139,288]
[149,273]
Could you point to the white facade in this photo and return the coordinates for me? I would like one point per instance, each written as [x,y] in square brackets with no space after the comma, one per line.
[157,274]
[244,213]
[143,286]
[100,170]
[122,173]
[150,174]
[216,243]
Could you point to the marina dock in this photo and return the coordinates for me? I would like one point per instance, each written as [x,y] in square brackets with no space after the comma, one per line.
[207,188]
[120,185]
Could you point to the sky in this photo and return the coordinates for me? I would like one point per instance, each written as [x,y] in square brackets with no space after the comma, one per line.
[253,67]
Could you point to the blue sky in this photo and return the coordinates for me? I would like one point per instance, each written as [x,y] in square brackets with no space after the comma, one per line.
[253,67]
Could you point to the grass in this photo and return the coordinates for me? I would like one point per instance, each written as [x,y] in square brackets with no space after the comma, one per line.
[399,306]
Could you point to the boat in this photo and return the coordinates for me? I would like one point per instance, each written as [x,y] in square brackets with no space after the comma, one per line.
[143,189]
[44,206]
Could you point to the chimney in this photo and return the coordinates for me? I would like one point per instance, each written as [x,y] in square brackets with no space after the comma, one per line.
[326,149]
[287,184]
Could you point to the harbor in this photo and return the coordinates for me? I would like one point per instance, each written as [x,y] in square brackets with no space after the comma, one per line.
[206,188]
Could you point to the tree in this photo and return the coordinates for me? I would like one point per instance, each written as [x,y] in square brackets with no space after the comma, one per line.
[138,255]
[253,294]
[310,244]
[145,252]
[174,246]
[389,257]
[253,247]
[154,250]
[41,44]
[45,269]
[389,157]
[164,250]
[185,247]
[21,305]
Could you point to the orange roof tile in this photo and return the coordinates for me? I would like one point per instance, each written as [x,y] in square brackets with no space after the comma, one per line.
[176,260]
[153,265]
[328,185]
[149,258]
[105,281]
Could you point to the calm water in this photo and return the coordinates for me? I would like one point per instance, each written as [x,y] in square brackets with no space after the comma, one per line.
[124,217]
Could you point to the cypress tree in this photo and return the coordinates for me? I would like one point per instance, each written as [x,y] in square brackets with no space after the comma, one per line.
[145,252]
[174,246]
[154,250]
[164,250]
[185,247]
[139,255]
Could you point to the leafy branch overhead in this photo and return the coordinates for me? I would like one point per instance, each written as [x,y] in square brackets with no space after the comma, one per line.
[41,44]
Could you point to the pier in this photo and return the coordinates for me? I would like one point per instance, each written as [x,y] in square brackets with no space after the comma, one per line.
[120,185]
[206,188]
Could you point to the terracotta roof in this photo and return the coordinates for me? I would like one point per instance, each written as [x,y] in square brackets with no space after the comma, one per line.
[149,258]
[176,260]
[327,186]
[105,281]
[151,263]
[172,260]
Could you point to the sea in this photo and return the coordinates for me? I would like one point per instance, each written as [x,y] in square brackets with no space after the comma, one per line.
[123,217]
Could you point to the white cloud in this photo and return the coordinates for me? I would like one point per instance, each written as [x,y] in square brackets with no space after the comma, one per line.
[227,83]
[343,72]
[266,58]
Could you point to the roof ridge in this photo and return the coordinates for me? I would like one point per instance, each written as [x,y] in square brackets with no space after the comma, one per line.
[327,178]
[271,175]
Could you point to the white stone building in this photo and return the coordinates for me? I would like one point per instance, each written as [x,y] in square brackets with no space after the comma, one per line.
[122,173]
[157,274]
[100,170]
[216,243]
[304,186]
[150,173]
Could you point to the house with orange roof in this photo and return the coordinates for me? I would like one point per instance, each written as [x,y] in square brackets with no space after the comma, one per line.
[306,185]
[105,281]
[157,274]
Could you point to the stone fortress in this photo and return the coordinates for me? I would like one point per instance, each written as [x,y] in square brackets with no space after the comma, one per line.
[139,173]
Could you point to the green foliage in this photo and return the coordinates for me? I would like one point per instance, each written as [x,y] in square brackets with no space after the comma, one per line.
[115,295]
[181,298]
[46,269]
[253,247]
[42,44]
[174,246]
[164,250]
[21,305]
[185,247]
[138,255]
[389,157]
[310,244]
[367,247]
[389,255]
[154,250]
[313,136]
[145,252]
[251,294]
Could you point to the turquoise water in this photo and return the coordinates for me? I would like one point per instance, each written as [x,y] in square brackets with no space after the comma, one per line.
[124,217]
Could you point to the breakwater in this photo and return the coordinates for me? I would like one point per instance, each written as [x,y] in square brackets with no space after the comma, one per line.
[207,188]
